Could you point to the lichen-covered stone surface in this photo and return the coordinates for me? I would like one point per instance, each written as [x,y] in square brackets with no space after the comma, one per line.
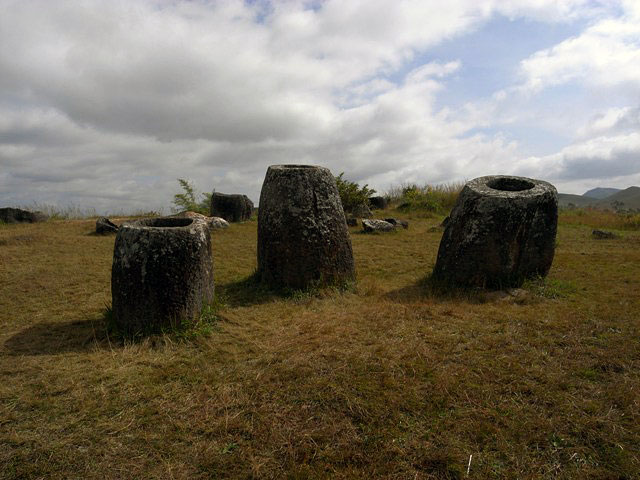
[303,239]
[501,231]
[377,226]
[232,207]
[162,274]
[18,215]
[104,226]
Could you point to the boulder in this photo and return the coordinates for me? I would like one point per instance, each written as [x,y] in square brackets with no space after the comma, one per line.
[375,226]
[396,222]
[232,207]
[603,235]
[303,239]
[105,226]
[501,231]
[162,274]
[18,215]
[213,222]
[361,211]
[378,203]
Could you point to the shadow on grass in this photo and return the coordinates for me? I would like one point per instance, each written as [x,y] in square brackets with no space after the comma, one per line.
[428,288]
[245,292]
[52,338]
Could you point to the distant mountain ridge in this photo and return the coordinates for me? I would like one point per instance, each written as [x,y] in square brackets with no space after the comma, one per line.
[605,198]
[600,192]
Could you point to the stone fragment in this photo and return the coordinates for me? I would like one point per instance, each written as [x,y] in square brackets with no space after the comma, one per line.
[162,274]
[374,226]
[396,222]
[232,207]
[378,203]
[303,238]
[501,231]
[18,215]
[603,234]
[105,226]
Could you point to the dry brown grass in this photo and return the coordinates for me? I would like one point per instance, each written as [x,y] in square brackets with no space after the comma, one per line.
[393,380]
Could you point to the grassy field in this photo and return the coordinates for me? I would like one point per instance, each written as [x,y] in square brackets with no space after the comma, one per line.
[392,380]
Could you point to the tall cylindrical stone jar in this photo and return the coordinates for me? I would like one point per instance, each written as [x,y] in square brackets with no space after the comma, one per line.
[303,239]
[501,231]
[162,274]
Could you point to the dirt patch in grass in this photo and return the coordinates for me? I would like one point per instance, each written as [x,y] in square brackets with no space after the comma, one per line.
[387,380]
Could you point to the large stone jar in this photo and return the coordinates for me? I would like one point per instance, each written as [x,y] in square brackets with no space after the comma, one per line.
[303,239]
[162,274]
[501,231]
[233,207]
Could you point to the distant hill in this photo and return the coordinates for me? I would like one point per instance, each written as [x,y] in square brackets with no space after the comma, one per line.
[626,199]
[568,199]
[600,192]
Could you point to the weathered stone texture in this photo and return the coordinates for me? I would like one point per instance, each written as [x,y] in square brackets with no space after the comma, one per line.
[105,226]
[18,215]
[232,207]
[376,226]
[162,273]
[603,235]
[501,231]
[303,238]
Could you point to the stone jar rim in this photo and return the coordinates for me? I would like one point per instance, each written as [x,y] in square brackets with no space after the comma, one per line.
[510,186]
[164,223]
[296,167]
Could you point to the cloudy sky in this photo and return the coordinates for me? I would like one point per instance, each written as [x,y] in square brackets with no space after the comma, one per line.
[104,104]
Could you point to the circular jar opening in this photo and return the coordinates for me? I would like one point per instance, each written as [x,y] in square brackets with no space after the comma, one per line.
[510,184]
[166,222]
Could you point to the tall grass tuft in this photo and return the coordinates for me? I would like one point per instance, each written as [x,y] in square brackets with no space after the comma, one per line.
[437,199]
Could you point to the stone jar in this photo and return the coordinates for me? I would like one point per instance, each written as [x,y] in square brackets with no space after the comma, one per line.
[232,207]
[162,274]
[303,239]
[501,231]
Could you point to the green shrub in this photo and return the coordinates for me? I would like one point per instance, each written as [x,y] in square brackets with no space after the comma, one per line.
[438,199]
[352,194]
[188,199]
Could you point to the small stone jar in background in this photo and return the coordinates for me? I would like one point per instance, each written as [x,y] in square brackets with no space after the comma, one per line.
[162,274]
[303,239]
[501,231]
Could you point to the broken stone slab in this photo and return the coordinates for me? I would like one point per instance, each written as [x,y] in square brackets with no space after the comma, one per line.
[104,226]
[18,215]
[303,239]
[375,226]
[162,274]
[397,222]
[603,235]
[501,231]
[212,222]
[231,207]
